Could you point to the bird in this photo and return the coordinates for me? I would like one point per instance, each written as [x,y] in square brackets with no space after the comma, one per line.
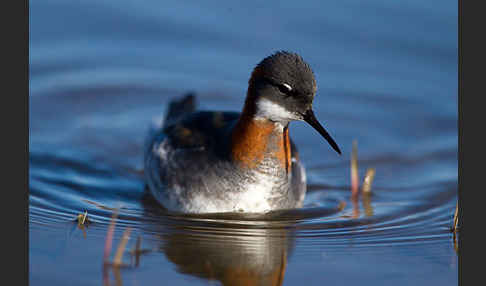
[201,162]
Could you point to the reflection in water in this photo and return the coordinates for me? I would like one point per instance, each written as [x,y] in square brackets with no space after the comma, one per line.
[234,249]
[456,244]
[355,202]
[258,258]
[138,252]
[243,255]
[368,207]
[82,227]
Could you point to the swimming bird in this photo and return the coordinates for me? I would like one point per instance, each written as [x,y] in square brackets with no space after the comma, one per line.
[213,161]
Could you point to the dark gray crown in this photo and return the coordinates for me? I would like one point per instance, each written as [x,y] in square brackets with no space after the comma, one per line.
[289,68]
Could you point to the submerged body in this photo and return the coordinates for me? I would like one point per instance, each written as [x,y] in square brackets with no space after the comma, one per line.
[207,162]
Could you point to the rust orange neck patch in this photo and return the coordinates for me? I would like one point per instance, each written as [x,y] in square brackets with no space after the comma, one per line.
[254,140]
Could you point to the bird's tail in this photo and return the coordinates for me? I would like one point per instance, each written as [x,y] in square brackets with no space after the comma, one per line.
[176,109]
[180,107]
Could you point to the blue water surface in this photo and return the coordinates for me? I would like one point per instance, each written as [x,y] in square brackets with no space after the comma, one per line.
[100,72]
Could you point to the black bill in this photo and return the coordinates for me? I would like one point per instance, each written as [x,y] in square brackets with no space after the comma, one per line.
[310,118]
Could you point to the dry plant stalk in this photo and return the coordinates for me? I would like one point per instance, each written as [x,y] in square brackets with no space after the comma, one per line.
[456,218]
[101,206]
[342,205]
[370,175]
[117,261]
[109,237]
[82,218]
[354,170]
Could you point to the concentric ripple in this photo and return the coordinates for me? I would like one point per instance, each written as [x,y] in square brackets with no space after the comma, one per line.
[64,184]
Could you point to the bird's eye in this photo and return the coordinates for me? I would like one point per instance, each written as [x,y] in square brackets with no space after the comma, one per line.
[285,88]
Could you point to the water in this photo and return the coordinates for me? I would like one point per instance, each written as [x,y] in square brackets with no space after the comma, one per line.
[101,71]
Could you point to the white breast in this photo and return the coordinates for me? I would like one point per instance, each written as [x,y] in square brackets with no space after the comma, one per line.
[254,199]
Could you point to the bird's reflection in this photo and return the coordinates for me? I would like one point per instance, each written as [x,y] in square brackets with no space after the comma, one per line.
[229,251]
[256,259]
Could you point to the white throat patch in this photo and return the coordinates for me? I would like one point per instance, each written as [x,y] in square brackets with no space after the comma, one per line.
[270,110]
